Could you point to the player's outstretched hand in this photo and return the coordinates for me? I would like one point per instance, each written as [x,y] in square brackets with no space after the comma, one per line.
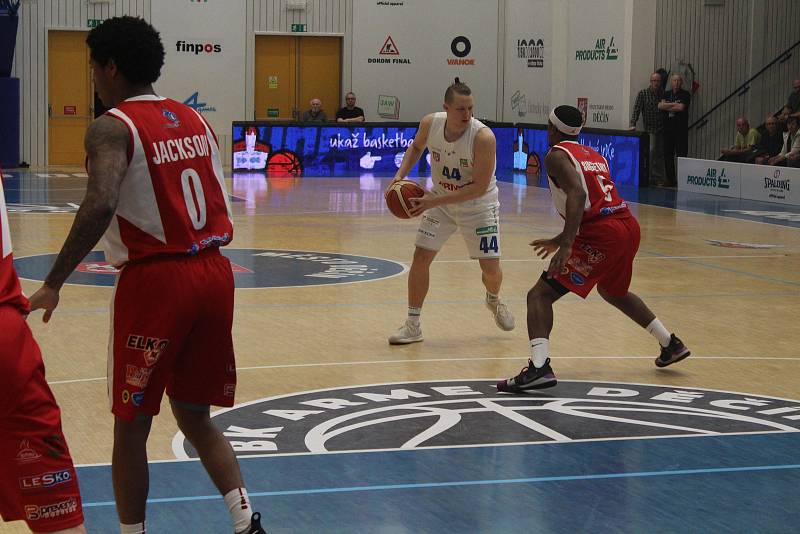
[45,299]
[544,247]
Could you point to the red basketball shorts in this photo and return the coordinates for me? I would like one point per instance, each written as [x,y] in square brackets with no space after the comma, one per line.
[171,322]
[38,482]
[602,255]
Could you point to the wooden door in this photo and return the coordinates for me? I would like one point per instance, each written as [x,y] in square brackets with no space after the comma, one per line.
[320,73]
[290,71]
[275,77]
[70,96]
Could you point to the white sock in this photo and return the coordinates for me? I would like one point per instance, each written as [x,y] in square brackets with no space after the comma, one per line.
[658,331]
[491,298]
[239,506]
[540,349]
[413,315]
[137,528]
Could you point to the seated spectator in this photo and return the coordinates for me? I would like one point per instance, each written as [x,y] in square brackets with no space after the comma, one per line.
[771,141]
[744,145]
[315,114]
[792,107]
[350,112]
[790,154]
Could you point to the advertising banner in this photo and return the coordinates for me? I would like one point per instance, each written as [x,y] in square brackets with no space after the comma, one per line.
[771,184]
[710,176]
[201,50]
[621,151]
[379,150]
[596,61]
[406,53]
[528,60]
[338,150]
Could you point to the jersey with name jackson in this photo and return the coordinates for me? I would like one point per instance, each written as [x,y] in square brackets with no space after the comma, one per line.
[10,289]
[173,198]
[452,163]
[602,198]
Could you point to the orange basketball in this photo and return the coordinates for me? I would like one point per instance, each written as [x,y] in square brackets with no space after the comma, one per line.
[397,197]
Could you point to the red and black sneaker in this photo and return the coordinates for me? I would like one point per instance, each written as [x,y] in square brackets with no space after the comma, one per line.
[530,378]
[672,353]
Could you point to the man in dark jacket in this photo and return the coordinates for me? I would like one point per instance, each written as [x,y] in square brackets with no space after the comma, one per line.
[675,106]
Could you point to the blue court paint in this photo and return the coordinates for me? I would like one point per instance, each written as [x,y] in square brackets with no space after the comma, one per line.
[252,268]
[702,484]
[532,480]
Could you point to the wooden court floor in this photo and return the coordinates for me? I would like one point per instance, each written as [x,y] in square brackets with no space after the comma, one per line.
[736,308]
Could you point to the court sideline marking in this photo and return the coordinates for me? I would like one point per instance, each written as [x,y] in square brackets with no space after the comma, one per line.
[437,360]
[463,483]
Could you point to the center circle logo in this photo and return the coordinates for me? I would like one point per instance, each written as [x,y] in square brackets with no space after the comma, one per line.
[252,268]
[409,415]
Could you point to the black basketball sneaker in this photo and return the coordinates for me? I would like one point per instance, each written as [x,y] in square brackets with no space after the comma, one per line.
[530,378]
[255,525]
[674,352]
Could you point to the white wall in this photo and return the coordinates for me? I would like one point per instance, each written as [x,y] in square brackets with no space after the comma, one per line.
[641,19]
[528,64]
[421,63]
[198,54]
[726,44]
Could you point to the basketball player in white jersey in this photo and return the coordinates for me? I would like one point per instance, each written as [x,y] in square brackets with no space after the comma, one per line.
[463,197]
[596,247]
[156,194]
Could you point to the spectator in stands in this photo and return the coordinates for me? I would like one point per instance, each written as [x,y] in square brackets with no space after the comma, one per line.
[675,106]
[771,141]
[744,145]
[647,106]
[790,154]
[315,114]
[350,112]
[792,107]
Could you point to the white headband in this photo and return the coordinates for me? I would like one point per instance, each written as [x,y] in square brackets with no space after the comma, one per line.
[563,128]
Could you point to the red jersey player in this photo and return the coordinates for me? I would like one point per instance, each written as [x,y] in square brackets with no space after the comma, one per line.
[596,247]
[156,190]
[38,484]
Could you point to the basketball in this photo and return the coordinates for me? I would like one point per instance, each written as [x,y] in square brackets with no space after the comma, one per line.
[398,196]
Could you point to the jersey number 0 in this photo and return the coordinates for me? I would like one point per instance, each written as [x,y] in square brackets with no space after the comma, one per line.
[190,182]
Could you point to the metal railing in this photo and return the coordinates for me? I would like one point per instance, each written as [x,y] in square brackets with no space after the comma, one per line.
[745,87]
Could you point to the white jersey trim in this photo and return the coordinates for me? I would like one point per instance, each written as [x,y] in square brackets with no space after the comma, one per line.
[558,194]
[145,98]
[137,199]
[217,164]
[6,232]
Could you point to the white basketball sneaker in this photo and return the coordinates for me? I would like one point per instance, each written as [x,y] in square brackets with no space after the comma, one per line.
[408,333]
[502,315]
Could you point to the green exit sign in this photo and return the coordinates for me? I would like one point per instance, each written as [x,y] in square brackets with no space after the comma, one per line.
[94,23]
[298,28]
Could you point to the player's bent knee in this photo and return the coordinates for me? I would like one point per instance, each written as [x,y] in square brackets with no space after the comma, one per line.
[423,256]
[190,416]
[546,290]
[490,266]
